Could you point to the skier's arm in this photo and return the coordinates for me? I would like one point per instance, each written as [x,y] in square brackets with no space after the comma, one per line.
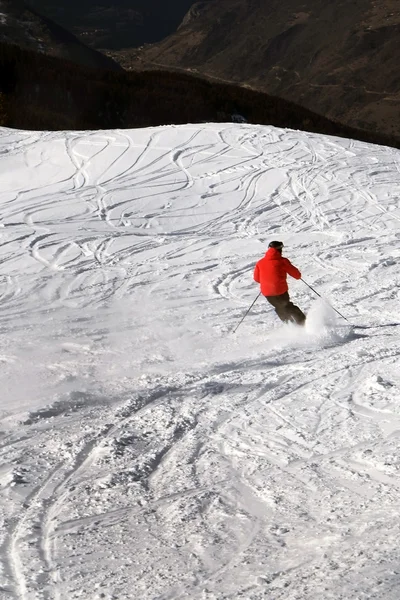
[291,269]
[257,274]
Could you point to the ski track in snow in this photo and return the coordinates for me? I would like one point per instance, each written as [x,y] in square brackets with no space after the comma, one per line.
[146,451]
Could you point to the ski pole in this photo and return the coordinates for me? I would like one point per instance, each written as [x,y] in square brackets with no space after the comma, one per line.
[315,292]
[249,309]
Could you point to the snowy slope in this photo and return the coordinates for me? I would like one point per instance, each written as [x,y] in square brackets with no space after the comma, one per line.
[147,452]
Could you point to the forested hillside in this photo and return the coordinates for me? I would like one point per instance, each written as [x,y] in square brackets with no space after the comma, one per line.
[43,92]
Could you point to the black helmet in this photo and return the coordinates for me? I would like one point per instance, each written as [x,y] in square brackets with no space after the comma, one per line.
[276,245]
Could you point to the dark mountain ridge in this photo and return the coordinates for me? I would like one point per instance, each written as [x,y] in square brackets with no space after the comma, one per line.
[28,29]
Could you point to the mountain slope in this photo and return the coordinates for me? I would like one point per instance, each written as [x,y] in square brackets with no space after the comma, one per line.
[339,59]
[146,450]
[26,28]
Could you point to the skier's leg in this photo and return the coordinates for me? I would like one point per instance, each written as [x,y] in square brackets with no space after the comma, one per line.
[295,314]
[280,303]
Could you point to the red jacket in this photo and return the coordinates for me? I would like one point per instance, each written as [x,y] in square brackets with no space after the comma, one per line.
[271,271]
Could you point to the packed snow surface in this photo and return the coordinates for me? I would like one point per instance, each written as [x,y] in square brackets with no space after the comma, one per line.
[147,450]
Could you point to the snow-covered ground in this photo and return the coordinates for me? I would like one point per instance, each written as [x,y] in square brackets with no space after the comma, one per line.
[147,452]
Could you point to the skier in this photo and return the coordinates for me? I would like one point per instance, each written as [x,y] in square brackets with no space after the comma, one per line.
[270,272]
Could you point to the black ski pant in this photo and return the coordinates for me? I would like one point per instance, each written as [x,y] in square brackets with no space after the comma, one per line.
[286,310]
